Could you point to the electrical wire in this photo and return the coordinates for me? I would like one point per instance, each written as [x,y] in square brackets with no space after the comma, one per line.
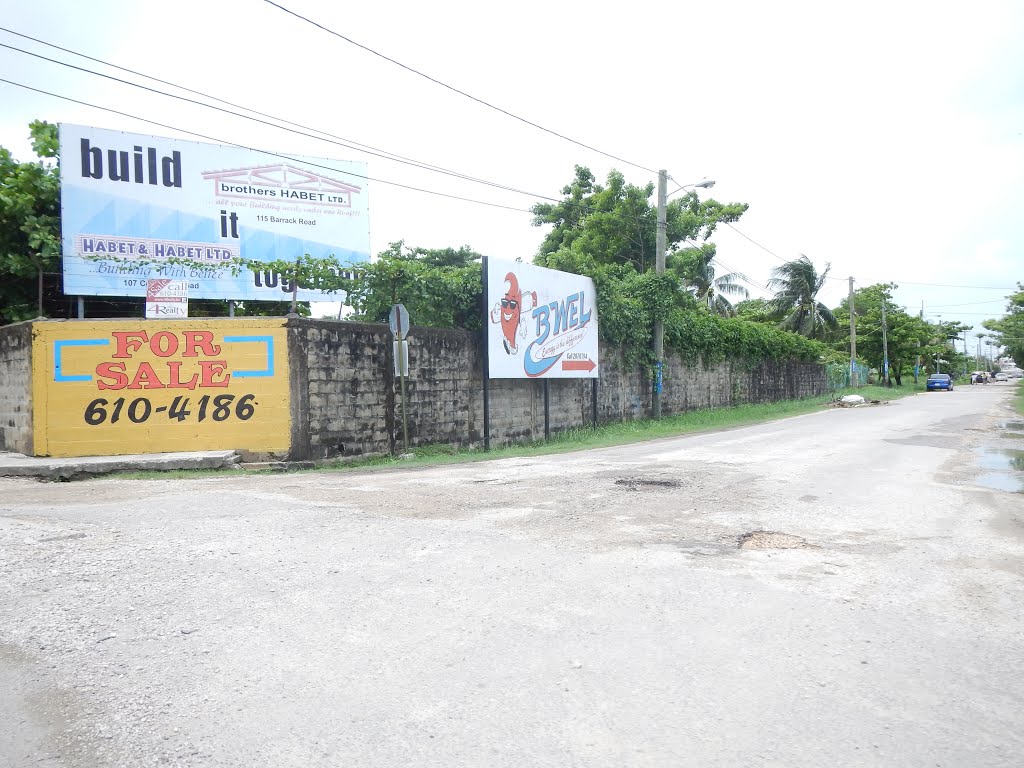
[968,304]
[767,250]
[263,151]
[357,146]
[946,285]
[584,208]
[338,141]
[899,282]
[452,88]
[982,314]
[333,138]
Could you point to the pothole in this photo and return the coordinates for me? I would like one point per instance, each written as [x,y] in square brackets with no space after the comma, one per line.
[773,540]
[646,483]
[705,548]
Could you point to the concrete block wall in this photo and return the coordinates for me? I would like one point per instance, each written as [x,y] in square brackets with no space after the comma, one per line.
[347,401]
[345,398]
[16,388]
[342,402]
[443,391]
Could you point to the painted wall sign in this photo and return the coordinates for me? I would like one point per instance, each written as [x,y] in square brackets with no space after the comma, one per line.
[542,323]
[135,386]
[135,207]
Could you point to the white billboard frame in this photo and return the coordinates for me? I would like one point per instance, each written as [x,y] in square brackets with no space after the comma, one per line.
[136,207]
[540,323]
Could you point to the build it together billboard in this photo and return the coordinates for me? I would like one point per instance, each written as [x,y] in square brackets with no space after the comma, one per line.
[137,208]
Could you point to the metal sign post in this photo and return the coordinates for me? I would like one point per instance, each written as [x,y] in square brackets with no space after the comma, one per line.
[398,320]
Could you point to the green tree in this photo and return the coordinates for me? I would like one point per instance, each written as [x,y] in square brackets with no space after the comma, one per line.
[795,306]
[617,224]
[29,228]
[441,288]
[909,338]
[754,310]
[695,269]
[30,247]
[1008,331]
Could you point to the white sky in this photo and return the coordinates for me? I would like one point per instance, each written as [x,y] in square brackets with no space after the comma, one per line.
[883,137]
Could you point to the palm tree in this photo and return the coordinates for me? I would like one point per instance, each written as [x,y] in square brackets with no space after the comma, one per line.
[696,275]
[795,305]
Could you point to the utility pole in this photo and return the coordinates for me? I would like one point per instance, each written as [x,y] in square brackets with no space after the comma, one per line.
[853,339]
[885,347]
[660,246]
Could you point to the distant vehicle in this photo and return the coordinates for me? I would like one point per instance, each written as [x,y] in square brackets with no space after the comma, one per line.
[1002,377]
[939,381]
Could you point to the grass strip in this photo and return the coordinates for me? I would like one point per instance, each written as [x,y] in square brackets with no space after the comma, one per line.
[582,438]
[640,430]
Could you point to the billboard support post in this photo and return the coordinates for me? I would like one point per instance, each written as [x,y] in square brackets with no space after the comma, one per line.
[547,410]
[81,307]
[295,286]
[486,358]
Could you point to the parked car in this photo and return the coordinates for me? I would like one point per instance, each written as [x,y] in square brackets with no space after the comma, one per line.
[939,381]
[1002,377]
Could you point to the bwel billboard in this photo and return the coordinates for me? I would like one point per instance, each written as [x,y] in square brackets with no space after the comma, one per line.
[541,323]
[137,207]
[136,386]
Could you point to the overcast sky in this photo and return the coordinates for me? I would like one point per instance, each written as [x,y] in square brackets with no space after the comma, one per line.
[882,137]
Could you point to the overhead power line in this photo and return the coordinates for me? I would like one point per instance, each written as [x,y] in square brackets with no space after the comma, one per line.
[335,140]
[454,89]
[947,285]
[893,280]
[954,314]
[767,250]
[968,304]
[262,151]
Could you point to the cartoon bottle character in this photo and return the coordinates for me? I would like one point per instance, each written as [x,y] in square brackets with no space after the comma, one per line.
[509,312]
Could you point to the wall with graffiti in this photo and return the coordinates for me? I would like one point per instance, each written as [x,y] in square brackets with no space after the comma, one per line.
[134,386]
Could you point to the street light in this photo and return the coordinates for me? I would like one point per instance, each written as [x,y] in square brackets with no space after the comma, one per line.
[659,268]
[706,184]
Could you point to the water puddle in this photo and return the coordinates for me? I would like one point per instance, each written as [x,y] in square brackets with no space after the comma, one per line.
[1012,429]
[1004,469]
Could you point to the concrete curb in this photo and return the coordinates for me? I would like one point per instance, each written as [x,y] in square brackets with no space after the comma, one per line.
[48,468]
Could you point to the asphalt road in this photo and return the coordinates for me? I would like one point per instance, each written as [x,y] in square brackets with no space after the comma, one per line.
[587,609]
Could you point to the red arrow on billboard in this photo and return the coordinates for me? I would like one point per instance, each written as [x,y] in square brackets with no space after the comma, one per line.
[579,365]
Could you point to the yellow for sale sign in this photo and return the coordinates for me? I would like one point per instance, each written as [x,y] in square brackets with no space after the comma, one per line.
[131,386]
